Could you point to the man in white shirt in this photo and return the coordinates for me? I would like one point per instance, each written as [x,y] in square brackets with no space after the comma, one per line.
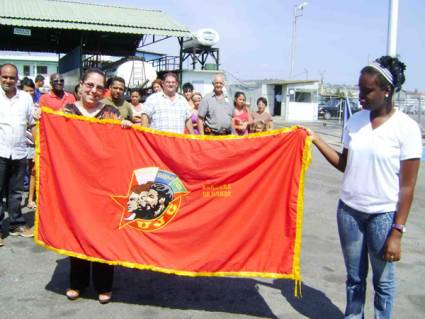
[167,110]
[16,113]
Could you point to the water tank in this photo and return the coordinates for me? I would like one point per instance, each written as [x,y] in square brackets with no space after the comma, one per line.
[136,73]
[204,37]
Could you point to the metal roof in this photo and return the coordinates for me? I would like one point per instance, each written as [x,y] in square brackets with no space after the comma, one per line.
[74,15]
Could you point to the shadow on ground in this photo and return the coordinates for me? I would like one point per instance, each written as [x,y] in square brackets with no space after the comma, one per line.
[314,304]
[214,294]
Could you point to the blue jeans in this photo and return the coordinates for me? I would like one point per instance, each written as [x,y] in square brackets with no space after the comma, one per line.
[364,235]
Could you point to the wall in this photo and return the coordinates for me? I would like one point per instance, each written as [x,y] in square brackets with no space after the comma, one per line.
[33,62]
[201,80]
[267,91]
[296,110]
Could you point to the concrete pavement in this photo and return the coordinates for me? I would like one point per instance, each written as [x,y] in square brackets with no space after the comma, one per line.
[33,280]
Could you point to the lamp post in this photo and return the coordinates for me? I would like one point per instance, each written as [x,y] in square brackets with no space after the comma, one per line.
[298,12]
[392,29]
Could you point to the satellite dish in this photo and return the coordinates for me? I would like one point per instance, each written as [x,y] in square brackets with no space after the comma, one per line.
[136,73]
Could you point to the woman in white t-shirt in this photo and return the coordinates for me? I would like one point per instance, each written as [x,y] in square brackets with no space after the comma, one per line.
[381,153]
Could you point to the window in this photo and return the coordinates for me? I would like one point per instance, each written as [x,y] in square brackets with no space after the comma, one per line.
[27,71]
[301,96]
[41,69]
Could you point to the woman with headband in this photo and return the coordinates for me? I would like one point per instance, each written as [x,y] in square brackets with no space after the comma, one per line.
[380,159]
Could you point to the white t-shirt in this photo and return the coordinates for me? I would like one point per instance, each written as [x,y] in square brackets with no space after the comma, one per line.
[371,178]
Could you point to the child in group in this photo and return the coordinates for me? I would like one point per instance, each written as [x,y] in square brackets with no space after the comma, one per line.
[241,118]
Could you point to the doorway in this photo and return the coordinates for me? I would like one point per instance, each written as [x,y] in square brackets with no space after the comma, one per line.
[277,100]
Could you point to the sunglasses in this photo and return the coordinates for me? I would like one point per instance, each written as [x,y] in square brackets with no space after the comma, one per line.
[91,86]
[59,81]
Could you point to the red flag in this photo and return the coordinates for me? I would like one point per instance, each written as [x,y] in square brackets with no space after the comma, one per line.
[181,204]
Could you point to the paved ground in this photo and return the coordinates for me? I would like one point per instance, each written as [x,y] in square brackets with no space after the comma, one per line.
[33,280]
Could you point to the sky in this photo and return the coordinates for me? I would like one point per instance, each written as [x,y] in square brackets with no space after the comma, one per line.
[334,38]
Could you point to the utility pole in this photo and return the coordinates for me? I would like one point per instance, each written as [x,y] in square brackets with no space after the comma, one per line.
[298,12]
[392,29]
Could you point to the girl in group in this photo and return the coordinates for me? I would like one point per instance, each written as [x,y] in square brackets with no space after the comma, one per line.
[241,118]
[261,119]
[136,106]
[196,99]
[157,86]
[382,148]
[92,86]
[28,86]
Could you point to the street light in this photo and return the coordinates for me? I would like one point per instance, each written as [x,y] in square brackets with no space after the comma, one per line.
[298,12]
[392,29]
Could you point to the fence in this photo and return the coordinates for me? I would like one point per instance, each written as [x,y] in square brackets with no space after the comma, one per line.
[415,108]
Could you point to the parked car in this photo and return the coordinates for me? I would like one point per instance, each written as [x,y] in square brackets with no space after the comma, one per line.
[336,107]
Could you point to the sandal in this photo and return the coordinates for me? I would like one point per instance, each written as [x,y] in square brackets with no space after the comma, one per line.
[105,297]
[72,294]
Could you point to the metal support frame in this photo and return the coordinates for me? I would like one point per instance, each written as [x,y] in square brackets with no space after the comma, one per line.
[200,55]
[154,39]
[180,75]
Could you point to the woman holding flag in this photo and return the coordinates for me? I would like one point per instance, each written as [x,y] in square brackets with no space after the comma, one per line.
[92,87]
[382,148]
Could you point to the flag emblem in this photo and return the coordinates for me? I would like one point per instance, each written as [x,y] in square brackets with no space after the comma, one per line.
[153,199]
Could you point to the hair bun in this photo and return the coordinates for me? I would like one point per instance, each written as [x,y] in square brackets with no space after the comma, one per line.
[396,67]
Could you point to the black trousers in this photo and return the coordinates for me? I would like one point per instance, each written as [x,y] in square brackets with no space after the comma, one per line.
[12,187]
[102,275]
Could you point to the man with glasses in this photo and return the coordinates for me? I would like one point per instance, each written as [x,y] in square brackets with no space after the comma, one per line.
[116,99]
[57,98]
[167,110]
[16,110]
[216,110]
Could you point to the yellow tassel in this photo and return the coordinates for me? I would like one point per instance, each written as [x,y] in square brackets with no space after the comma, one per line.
[298,289]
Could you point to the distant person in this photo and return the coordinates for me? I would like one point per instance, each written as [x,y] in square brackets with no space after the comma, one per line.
[16,114]
[117,100]
[39,83]
[77,93]
[241,116]
[107,90]
[157,86]
[57,98]
[196,102]
[145,94]
[187,91]
[136,105]
[380,160]
[167,110]
[216,110]
[261,119]
[27,85]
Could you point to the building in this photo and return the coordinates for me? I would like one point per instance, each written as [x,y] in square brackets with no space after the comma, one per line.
[292,100]
[30,64]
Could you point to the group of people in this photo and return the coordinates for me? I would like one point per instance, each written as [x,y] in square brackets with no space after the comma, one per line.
[162,109]
[213,114]
[380,159]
